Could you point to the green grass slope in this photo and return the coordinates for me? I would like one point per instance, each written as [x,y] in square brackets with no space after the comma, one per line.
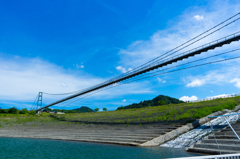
[170,112]
[185,112]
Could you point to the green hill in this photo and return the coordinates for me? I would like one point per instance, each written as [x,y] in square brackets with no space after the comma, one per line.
[83,109]
[159,100]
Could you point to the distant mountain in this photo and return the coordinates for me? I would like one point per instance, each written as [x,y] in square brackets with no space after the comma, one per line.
[83,109]
[159,100]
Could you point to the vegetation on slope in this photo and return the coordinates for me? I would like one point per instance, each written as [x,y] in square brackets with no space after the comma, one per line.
[183,112]
[13,120]
[14,110]
[166,113]
[159,100]
[84,109]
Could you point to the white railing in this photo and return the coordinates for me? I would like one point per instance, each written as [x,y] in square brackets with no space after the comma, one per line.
[212,98]
[228,156]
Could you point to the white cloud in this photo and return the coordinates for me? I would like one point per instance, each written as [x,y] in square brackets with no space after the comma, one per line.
[64,84]
[79,66]
[198,17]
[236,81]
[160,80]
[122,69]
[229,73]
[132,88]
[22,79]
[196,83]
[181,30]
[129,69]
[124,100]
[211,91]
[187,98]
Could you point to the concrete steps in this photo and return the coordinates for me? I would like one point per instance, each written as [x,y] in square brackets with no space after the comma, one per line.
[210,151]
[227,132]
[102,134]
[223,137]
[222,141]
[228,129]
[137,138]
[131,135]
[221,146]
[228,143]
[99,139]
[134,141]
[111,142]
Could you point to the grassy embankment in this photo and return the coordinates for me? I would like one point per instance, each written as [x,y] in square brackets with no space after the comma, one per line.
[166,113]
[171,112]
[28,120]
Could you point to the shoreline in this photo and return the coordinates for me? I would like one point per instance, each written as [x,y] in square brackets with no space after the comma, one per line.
[146,135]
[152,134]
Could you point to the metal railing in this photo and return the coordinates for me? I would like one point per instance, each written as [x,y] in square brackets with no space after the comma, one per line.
[228,156]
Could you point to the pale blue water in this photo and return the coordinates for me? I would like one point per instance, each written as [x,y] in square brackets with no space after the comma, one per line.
[55,149]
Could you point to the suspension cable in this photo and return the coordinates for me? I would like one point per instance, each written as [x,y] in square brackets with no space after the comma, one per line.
[158,75]
[166,54]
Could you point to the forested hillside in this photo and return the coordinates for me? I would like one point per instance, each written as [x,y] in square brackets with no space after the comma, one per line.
[159,100]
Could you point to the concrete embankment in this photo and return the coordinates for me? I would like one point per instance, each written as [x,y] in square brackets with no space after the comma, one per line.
[179,131]
[224,142]
[134,135]
[191,137]
[115,134]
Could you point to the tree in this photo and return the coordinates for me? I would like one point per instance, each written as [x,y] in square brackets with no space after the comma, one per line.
[4,110]
[32,112]
[47,110]
[24,111]
[122,107]
[161,102]
[13,110]
[104,109]
[96,109]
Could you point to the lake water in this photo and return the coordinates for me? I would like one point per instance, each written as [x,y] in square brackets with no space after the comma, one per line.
[57,149]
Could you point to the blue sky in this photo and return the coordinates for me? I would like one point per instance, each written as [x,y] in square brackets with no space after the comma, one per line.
[65,46]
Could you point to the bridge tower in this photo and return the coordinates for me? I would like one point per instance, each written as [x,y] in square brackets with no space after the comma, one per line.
[39,101]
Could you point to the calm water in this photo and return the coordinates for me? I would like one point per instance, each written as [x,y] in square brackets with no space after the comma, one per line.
[54,149]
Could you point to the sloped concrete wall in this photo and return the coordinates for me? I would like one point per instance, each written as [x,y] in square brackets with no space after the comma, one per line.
[179,131]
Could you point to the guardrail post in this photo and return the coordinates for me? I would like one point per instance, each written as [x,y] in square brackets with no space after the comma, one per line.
[232,128]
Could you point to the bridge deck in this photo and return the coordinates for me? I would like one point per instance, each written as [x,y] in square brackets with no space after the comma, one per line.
[190,53]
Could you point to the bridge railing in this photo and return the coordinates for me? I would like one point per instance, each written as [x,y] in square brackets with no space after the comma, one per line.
[170,58]
[155,65]
[197,48]
[166,59]
[227,156]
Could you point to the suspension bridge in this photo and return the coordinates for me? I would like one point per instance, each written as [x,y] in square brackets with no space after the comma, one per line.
[155,66]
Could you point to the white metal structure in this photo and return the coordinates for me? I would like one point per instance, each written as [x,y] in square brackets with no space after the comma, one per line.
[228,156]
